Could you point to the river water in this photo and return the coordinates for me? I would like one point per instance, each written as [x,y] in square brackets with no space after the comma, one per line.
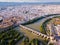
[37,24]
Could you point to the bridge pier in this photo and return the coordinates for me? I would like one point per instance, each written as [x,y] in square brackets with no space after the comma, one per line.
[35,32]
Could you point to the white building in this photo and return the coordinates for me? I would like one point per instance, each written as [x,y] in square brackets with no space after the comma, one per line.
[58,29]
[1,19]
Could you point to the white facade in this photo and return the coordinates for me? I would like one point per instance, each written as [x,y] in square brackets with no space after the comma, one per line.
[1,18]
[58,29]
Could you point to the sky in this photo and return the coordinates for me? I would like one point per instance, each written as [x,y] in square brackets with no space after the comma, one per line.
[29,0]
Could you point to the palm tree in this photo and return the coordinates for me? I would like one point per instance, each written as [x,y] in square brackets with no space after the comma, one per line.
[26,41]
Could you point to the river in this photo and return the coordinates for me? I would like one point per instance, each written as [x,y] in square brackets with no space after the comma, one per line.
[37,24]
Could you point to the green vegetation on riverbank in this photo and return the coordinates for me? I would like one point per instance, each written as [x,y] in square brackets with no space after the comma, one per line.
[43,27]
[34,41]
[32,21]
[56,17]
[10,37]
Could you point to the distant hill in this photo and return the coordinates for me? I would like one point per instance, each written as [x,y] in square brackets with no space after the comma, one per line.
[26,3]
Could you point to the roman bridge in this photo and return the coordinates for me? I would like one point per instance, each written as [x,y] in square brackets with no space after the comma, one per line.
[36,32]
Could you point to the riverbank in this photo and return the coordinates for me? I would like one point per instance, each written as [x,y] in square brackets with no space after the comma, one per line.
[37,19]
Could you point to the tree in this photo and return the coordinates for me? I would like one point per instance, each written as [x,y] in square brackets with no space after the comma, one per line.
[26,41]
